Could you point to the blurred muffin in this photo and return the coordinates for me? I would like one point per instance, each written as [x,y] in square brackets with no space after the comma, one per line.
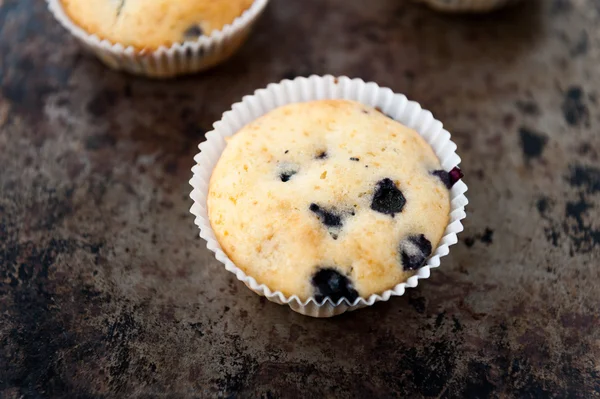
[467,5]
[159,38]
[149,24]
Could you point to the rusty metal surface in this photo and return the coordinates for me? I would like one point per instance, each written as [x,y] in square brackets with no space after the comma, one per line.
[107,291]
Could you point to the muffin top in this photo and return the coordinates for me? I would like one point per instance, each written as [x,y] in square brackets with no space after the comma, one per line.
[328,198]
[149,24]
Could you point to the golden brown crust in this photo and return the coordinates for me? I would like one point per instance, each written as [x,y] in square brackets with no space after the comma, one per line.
[149,24]
[266,226]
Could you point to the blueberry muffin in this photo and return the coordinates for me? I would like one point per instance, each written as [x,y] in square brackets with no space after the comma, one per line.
[330,199]
[458,6]
[149,24]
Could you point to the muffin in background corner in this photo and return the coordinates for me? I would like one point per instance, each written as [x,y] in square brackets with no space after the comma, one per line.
[467,6]
[149,24]
[159,38]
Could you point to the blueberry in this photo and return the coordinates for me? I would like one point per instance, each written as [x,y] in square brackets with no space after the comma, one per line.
[443,176]
[388,199]
[287,170]
[414,251]
[326,217]
[449,178]
[328,282]
[193,32]
[455,175]
[321,155]
[285,176]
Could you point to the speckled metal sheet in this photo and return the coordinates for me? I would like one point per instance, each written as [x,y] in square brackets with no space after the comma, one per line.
[107,291]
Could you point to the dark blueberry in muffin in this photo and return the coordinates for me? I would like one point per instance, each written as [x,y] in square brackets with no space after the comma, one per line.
[326,217]
[449,178]
[193,32]
[414,251]
[455,175]
[287,170]
[388,199]
[321,155]
[328,282]
[443,176]
[285,176]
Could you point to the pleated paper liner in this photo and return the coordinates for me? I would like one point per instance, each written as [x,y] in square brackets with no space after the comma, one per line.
[165,62]
[262,101]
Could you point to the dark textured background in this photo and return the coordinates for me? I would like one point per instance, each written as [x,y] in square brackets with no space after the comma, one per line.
[107,291]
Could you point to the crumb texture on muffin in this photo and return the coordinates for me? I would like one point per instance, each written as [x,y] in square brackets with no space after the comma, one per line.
[149,24]
[328,198]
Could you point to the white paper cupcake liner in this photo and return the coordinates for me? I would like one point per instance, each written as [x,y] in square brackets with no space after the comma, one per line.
[179,59]
[458,6]
[262,101]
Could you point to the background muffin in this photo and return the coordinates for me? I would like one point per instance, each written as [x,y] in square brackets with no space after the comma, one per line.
[159,38]
[330,199]
[467,5]
[149,24]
